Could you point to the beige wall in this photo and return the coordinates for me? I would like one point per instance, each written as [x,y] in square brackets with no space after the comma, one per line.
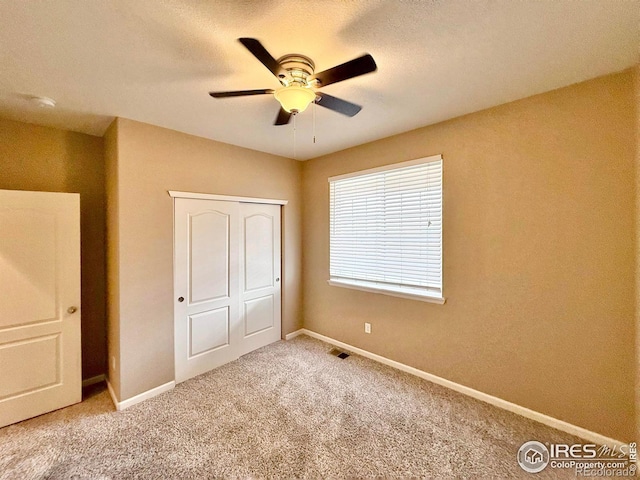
[150,161]
[538,255]
[52,160]
[112,249]
[637,238]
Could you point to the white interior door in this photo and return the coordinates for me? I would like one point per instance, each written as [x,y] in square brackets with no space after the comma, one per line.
[260,285]
[226,281]
[206,285]
[40,367]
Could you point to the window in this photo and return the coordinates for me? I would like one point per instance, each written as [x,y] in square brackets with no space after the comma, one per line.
[386,230]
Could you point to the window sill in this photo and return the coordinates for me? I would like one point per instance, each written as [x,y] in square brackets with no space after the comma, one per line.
[423,297]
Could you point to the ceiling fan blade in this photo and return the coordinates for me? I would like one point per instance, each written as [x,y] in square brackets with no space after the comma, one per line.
[338,105]
[354,68]
[255,47]
[283,117]
[241,93]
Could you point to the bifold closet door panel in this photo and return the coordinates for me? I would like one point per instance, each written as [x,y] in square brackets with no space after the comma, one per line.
[260,276]
[206,289]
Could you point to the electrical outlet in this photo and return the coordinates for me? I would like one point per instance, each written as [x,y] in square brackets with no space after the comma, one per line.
[367,328]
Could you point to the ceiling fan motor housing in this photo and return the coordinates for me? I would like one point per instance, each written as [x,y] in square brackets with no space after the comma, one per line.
[296,68]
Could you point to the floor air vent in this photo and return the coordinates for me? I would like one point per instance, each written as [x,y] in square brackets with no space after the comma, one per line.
[338,353]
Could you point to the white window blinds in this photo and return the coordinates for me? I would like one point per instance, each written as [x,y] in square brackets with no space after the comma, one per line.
[386,229]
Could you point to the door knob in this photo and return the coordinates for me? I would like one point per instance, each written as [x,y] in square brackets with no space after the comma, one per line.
[72,309]
[181,299]
[277,279]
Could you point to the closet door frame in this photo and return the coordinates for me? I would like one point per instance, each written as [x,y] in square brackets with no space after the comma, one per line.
[227,198]
[224,198]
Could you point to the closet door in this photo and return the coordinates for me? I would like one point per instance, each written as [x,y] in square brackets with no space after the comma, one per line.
[206,307]
[260,279]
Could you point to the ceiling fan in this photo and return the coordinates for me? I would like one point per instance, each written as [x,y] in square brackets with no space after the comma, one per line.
[297,75]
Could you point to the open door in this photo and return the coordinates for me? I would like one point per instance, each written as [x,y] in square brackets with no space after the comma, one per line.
[40,367]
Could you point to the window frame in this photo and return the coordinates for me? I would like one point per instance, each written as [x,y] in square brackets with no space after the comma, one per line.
[417,293]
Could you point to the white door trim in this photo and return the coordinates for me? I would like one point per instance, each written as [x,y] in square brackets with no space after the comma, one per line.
[226,198]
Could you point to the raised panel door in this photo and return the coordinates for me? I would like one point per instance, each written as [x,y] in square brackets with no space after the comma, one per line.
[260,266]
[206,285]
[40,358]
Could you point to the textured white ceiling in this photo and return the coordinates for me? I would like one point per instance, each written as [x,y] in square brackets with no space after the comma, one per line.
[155,60]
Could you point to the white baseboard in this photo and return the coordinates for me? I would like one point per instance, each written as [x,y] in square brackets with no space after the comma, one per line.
[140,397]
[478,395]
[112,394]
[93,380]
[291,335]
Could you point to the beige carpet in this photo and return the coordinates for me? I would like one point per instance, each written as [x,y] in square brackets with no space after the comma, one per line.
[288,410]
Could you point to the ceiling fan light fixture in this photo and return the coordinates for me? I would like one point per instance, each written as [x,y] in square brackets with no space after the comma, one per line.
[295,99]
[43,102]
[296,73]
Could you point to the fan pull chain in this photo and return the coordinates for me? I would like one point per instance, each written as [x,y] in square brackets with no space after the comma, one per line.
[295,157]
[314,121]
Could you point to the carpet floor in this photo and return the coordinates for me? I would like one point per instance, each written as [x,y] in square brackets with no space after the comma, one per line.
[289,410]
